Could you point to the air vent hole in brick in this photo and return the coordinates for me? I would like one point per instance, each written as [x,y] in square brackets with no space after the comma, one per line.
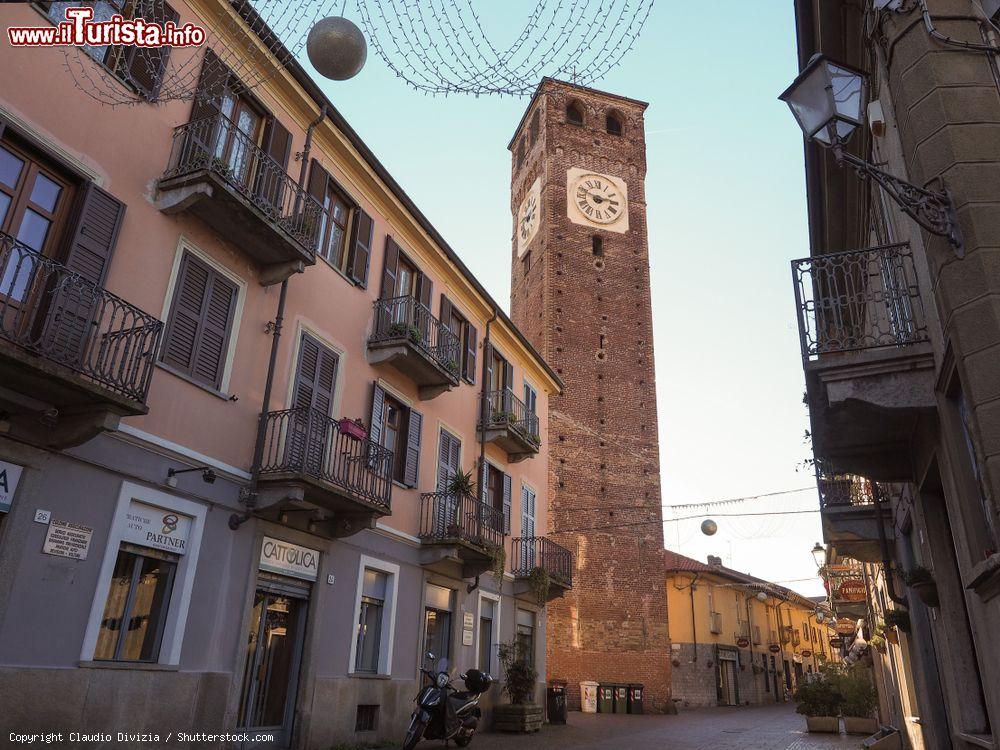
[600,298]
[600,399]
[599,265]
[601,355]
[367,719]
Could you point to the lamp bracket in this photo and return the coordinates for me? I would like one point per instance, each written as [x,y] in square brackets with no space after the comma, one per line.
[932,210]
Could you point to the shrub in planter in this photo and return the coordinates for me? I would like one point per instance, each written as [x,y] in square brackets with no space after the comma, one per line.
[922,582]
[859,701]
[521,714]
[819,701]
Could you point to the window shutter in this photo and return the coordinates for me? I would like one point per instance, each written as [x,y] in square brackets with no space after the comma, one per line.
[182,328]
[211,84]
[279,143]
[424,291]
[488,354]
[484,483]
[378,406]
[469,372]
[317,181]
[144,69]
[444,461]
[315,377]
[96,232]
[361,247]
[506,503]
[411,470]
[445,314]
[210,355]
[508,376]
[389,268]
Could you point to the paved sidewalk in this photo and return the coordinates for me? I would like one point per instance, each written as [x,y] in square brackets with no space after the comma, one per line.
[756,728]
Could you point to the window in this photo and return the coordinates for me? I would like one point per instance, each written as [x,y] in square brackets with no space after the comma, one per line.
[366,719]
[397,427]
[487,632]
[498,371]
[574,114]
[467,338]
[370,621]
[200,323]
[597,246]
[136,608]
[533,129]
[613,125]
[526,635]
[530,399]
[520,152]
[344,236]
[437,621]
[449,459]
[333,232]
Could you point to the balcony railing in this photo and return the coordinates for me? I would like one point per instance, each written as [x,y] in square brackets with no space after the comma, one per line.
[308,442]
[456,517]
[56,314]
[406,318]
[504,409]
[861,299]
[845,491]
[218,145]
[541,552]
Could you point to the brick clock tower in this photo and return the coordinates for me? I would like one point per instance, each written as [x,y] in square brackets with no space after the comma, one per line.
[580,292]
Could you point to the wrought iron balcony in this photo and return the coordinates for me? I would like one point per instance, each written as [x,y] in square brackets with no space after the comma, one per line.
[79,356]
[471,530]
[848,514]
[541,553]
[406,335]
[506,421]
[307,457]
[867,357]
[221,175]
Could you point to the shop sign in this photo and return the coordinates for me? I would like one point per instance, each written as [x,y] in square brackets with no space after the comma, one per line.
[774,648]
[150,526]
[845,626]
[468,625]
[836,642]
[10,475]
[65,539]
[743,642]
[289,559]
[806,653]
[852,590]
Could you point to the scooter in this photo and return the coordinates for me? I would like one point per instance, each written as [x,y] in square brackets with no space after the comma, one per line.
[444,713]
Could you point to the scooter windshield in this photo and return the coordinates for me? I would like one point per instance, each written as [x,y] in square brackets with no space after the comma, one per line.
[443,665]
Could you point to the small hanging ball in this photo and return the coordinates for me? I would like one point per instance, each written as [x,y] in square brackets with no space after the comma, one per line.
[709,527]
[337,48]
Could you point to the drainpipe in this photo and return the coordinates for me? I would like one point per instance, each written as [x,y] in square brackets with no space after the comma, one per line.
[694,619]
[883,542]
[250,496]
[746,600]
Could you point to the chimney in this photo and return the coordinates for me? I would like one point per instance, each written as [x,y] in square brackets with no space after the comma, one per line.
[716,561]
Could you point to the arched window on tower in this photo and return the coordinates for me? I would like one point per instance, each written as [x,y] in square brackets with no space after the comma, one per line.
[613,124]
[520,152]
[533,129]
[597,246]
[574,114]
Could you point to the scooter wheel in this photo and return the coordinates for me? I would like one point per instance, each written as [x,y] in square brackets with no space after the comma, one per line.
[462,741]
[414,734]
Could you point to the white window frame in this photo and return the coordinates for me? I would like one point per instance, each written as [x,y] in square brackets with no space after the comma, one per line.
[180,596]
[388,635]
[494,667]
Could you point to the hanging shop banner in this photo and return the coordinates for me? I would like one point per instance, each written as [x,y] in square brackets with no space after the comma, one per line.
[289,559]
[774,648]
[65,539]
[845,626]
[836,642]
[743,642]
[150,526]
[10,475]
[852,590]
[806,653]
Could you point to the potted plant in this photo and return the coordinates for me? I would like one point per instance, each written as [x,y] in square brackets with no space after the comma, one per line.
[352,428]
[858,706]
[498,561]
[898,618]
[522,714]
[460,483]
[819,701]
[921,580]
[538,583]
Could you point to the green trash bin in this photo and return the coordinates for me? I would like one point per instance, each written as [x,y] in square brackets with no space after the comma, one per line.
[621,699]
[635,691]
[606,698]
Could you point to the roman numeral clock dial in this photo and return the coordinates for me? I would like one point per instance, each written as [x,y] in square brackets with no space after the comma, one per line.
[597,200]
[527,218]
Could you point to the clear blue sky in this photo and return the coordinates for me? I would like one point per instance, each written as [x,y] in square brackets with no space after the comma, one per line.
[725,190]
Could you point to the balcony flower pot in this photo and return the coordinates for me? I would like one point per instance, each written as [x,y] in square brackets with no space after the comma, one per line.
[352,429]
[898,618]
[922,582]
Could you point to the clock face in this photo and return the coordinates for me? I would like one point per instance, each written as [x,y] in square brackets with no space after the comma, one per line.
[598,198]
[527,218]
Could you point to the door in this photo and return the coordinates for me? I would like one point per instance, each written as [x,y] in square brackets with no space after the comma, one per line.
[274,653]
[237,144]
[727,683]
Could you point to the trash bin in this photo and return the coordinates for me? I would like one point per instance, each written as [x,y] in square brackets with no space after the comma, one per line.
[621,699]
[606,699]
[588,697]
[555,701]
[635,698]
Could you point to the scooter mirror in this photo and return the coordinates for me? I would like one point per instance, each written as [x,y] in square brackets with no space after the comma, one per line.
[430,656]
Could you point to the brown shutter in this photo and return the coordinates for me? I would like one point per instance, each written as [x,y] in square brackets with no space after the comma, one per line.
[93,240]
[315,377]
[277,145]
[445,314]
[411,470]
[210,356]
[279,142]
[425,285]
[185,316]
[144,68]
[317,181]
[211,84]
[361,247]
[508,376]
[469,371]
[389,268]
[378,407]
[488,364]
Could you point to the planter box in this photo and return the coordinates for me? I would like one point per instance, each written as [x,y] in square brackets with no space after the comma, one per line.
[829,724]
[510,718]
[860,725]
[885,739]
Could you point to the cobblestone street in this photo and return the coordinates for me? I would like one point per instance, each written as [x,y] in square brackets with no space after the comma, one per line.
[757,728]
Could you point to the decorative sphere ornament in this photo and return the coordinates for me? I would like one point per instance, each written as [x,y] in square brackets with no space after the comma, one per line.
[337,48]
[761,596]
[709,527]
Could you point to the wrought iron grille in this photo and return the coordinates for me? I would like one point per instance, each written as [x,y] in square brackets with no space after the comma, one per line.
[504,409]
[53,312]
[408,319]
[217,144]
[451,516]
[860,299]
[845,490]
[307,441]
[541,552]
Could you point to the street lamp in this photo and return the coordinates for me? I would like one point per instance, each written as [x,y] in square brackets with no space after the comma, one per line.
[819,555]
[828,100]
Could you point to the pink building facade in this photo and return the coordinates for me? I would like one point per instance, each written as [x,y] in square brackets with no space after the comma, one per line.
[239,372]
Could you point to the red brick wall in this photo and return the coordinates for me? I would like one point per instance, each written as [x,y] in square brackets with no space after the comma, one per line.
[604,468]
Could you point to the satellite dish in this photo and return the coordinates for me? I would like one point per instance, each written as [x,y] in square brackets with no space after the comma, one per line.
[337,48]
[709,527]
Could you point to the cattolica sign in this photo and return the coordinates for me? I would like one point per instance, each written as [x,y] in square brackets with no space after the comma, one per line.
[289,559]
